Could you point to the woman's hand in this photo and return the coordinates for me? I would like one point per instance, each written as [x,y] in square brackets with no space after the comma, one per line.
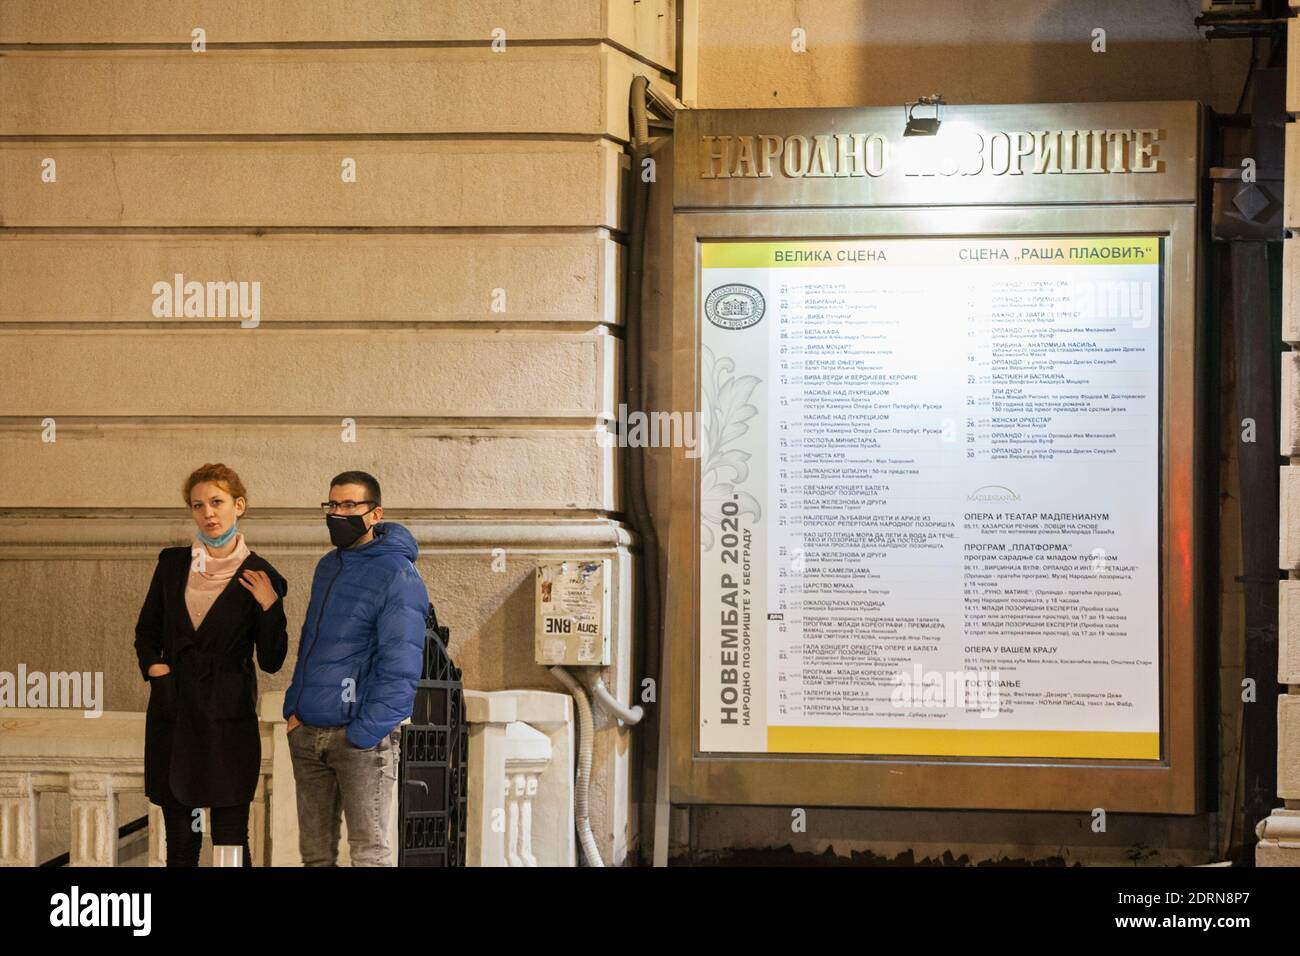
[158,670]
[258,583]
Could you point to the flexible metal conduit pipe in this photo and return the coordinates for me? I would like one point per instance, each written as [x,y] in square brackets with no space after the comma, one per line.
[585,735]
[613,704]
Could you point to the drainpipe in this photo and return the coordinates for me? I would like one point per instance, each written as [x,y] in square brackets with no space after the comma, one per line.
[655,737]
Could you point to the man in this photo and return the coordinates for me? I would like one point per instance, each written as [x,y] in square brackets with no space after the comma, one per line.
[359,658]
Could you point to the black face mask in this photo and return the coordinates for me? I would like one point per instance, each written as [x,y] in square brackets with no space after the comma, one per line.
[345,530]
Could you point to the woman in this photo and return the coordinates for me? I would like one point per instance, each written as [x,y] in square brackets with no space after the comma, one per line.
[210,606]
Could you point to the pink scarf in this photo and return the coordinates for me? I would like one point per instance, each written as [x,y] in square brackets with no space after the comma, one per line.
[204,587]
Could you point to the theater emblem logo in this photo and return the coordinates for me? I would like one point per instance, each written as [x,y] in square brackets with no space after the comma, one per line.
[993,493]
[734,306]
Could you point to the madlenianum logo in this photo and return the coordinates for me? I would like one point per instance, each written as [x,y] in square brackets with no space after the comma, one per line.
[993,493]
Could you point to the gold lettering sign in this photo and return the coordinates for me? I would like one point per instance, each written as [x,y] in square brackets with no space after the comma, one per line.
[959,153]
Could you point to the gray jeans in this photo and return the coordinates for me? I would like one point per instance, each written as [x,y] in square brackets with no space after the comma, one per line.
[332,775]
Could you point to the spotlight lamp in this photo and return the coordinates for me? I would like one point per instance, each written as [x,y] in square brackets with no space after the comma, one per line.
[924,125]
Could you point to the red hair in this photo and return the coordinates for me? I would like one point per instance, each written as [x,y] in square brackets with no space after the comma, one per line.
[219,475]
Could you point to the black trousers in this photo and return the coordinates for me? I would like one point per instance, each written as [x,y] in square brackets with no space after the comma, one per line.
[228,825]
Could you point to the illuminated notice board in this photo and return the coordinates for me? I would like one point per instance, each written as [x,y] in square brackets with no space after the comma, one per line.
[930,497]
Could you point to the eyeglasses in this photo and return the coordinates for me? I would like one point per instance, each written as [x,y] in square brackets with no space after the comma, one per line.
[347,507]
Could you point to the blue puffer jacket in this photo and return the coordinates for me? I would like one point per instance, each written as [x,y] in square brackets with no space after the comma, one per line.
[365,622]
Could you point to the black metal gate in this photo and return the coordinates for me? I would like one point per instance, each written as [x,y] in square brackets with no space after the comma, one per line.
[432,775]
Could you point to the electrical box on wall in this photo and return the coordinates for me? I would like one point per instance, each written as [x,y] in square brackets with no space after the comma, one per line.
[573,613]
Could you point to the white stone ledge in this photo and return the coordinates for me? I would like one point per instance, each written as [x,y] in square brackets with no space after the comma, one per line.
[532,707]
[41,736]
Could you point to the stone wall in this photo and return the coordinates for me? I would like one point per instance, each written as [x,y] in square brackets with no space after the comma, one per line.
[1280,833]
[459,301]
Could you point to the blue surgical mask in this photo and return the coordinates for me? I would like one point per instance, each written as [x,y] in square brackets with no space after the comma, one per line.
[221,539]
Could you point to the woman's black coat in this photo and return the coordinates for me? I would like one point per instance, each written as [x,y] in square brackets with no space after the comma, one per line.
[202,740]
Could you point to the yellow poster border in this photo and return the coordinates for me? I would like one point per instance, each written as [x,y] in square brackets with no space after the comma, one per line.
[1076,250]
[933,742]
